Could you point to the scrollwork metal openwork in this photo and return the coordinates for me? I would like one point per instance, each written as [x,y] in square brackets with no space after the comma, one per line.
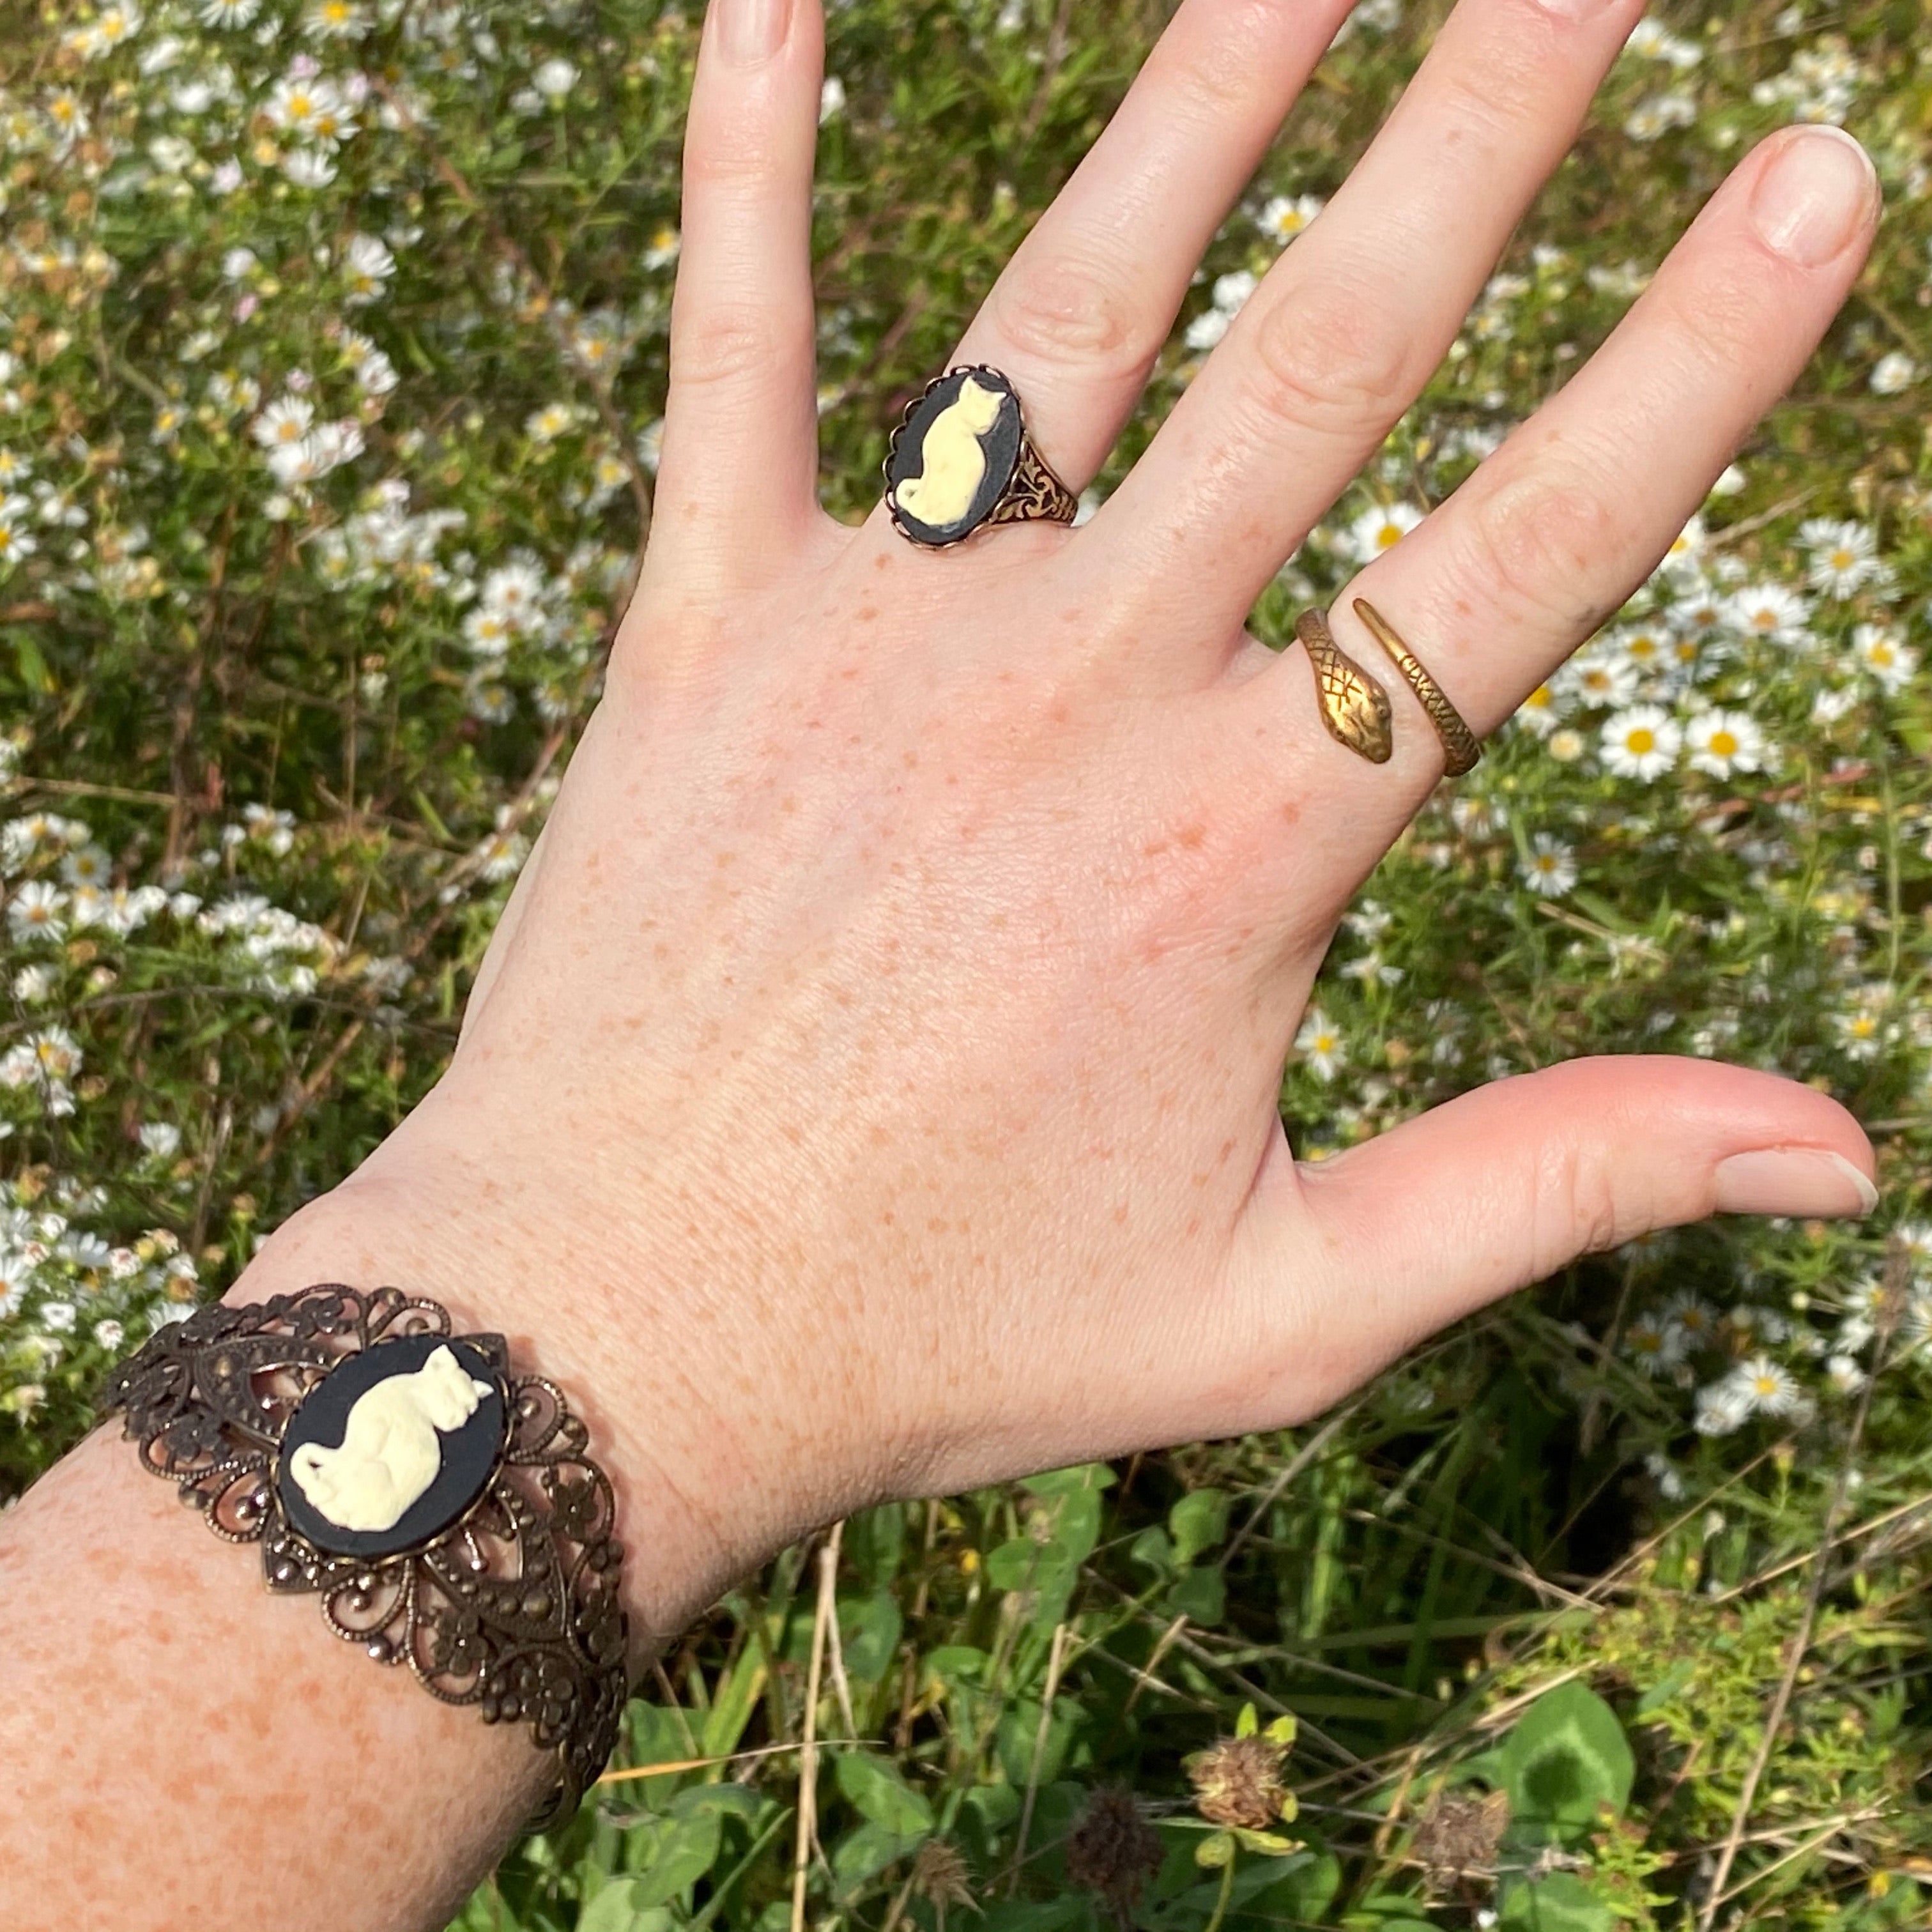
[514,1607]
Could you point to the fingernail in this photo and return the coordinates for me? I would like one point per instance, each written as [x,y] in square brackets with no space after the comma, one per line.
[752,30]
[1814,197]
[1792,1181]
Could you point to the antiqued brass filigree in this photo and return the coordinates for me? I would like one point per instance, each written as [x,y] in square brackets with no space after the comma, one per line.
[513,1608]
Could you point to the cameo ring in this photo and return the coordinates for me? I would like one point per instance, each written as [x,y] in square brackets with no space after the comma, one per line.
[960,457]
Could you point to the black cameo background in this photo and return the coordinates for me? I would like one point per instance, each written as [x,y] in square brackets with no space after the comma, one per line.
[468,1453]
[1000,444]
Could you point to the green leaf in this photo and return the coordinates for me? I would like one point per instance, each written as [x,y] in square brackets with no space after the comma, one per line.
[618,1908]
[876,1790]
[1270,1844]
[1215,1850]
[1152,1550]
[1024,1565]
[1666,1686]
[1201,1596]
[1197,1521]
[1566,1757]
[868,1849]
[1082,1477]
[869,1628]
[686,1850]
[1561,1903]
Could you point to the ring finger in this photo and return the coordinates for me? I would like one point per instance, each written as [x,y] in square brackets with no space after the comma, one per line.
[1348,326]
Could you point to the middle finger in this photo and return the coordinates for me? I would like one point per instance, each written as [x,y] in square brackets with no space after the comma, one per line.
[1348,326]
[1078,315]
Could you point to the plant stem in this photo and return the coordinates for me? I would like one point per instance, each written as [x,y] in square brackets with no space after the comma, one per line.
[1227,1886]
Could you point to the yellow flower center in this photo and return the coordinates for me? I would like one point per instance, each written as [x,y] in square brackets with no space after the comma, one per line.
[1724,745]
[1641,741]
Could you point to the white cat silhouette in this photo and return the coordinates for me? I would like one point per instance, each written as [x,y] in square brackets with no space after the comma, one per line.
[952,464]
[389,1454]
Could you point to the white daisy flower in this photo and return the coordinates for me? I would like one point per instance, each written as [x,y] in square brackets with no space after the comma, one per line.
[1687,547]
[17,541]
[1770,611]
[38,911]
[1598,677]
[1842,556]
[1321,1044]
[1722,1408]
[1381,529]
[1206,329]
[283,423]
[1694,1316]
[555,78]
[1893,372]
[1646,647]
[1285,216]
[1539,712]
[308,167]
[1767,1388]
[1657,1346]
[1642,742]
[335,20]
[367,265]
[1723,741]
[1844,1375]
[1549,870]
[1860,1028]
[1880,653]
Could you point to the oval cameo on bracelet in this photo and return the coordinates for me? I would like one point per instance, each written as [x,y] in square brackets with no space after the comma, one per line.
[954,455]
[392,1446]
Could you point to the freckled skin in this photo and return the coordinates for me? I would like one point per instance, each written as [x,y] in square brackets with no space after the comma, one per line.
[870,1091]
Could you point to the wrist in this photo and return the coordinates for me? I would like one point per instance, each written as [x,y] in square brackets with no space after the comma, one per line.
[686,1506]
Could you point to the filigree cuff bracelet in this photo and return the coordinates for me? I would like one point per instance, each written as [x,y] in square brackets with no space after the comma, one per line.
[443,1508]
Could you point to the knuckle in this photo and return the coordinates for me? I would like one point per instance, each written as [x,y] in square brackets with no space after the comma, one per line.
[1326,358]
[1486,101]
[721,346]
[1063,311]
[1590,1215]
[1710,321]
[1542,541]
[731,165]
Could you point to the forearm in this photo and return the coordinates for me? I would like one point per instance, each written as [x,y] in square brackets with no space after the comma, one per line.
[182,1748]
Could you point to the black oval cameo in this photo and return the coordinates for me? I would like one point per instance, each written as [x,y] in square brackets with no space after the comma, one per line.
[953,456]
[392,1445]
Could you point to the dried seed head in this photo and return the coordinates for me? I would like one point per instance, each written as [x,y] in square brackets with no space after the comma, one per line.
[1238,1781]
[1113,1850]
[939,1875]
[1458,1836]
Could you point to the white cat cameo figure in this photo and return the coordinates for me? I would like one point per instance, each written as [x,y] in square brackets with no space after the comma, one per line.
[389,1454]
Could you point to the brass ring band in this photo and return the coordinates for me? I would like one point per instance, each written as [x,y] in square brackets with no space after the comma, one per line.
[1354,707]
[1460,748]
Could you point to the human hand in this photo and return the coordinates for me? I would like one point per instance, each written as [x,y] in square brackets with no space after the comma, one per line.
[878,1065]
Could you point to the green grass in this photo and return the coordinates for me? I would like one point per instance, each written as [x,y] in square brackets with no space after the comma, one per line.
[1516,1563]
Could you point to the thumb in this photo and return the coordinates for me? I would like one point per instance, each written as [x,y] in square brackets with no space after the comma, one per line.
[1503,1186]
